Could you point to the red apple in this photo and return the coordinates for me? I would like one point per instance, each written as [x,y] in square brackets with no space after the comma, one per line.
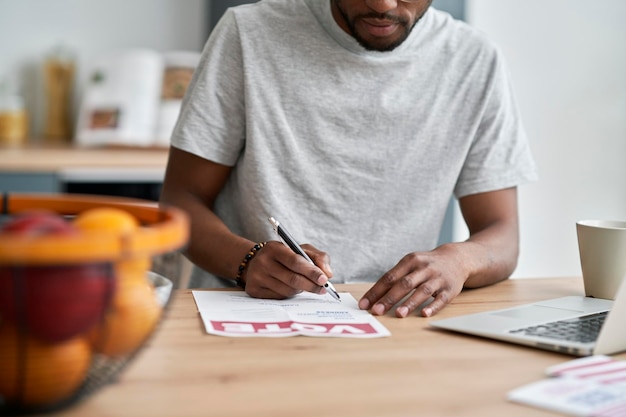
[54,302]
[39,223]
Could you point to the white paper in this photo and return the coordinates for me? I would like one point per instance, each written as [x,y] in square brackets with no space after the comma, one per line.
[594,386]
[576,397]
[236,314]
[598,368]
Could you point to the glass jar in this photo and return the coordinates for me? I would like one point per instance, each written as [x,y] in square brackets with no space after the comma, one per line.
[13,118]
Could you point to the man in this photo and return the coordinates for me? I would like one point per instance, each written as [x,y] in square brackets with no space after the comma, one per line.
[353,122]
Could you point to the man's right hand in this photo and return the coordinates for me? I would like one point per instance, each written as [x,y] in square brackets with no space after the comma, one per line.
[276,272]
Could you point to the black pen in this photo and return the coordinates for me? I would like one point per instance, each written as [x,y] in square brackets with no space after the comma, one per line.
[290,241]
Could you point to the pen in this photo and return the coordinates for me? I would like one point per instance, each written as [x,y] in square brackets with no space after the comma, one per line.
[290,241]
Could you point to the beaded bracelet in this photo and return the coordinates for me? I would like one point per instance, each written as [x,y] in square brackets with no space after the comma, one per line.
[242,266]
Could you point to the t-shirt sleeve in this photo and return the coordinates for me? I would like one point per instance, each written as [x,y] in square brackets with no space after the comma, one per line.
[499,156]
[211,123]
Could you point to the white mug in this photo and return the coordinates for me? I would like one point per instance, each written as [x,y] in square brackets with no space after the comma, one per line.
[602,248]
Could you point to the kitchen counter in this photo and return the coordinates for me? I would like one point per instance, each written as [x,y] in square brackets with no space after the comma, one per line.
[50,168]
[48,158]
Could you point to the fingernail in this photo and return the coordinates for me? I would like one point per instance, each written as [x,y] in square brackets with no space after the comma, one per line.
[364,304]
[378,309]
[328,268]
[323,279]
[427,312]
[402,311]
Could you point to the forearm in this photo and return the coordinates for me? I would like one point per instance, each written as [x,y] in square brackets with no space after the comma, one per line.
[488,256]
[212,246]
[192,184]
[490,253]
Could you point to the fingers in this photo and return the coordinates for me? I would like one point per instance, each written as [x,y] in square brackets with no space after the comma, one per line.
[272,294]
[389,289]
[418,296]
[414,283]
[440,301]
[320,258]
[277,272]
[418,293]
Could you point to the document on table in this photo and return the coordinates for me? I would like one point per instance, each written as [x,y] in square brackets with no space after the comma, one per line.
[593,386]
[236,314]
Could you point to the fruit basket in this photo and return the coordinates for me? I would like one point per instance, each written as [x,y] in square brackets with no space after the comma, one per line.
[80,293]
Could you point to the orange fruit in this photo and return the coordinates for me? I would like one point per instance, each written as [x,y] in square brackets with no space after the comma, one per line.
[135,309]
[114,220]
[36,374]
[107,219]
[131,319]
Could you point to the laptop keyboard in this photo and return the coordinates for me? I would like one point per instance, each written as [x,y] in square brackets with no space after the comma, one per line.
[583,329]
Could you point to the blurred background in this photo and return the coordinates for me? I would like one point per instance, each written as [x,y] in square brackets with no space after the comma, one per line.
[568,65]
[567,60]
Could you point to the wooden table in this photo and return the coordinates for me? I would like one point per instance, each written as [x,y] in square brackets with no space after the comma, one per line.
[417,371]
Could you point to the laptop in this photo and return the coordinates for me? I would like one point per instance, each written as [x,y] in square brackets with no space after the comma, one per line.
[573,325]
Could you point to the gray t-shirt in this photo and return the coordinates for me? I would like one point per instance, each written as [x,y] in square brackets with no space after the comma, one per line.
[357,152]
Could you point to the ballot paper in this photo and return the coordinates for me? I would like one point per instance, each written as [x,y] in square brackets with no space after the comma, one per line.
[236,314]
[593,386]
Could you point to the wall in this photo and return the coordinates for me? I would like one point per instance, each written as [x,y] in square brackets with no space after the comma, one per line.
[31,29]
[567,59]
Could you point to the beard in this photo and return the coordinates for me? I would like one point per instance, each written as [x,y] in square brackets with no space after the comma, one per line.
[381,44]
[373,43]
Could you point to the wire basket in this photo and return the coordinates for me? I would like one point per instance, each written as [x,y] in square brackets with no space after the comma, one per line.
[77,305]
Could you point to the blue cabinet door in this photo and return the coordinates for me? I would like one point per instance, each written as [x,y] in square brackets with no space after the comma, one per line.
[29,182]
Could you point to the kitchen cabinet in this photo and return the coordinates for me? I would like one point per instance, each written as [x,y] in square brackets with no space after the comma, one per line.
[38,182]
